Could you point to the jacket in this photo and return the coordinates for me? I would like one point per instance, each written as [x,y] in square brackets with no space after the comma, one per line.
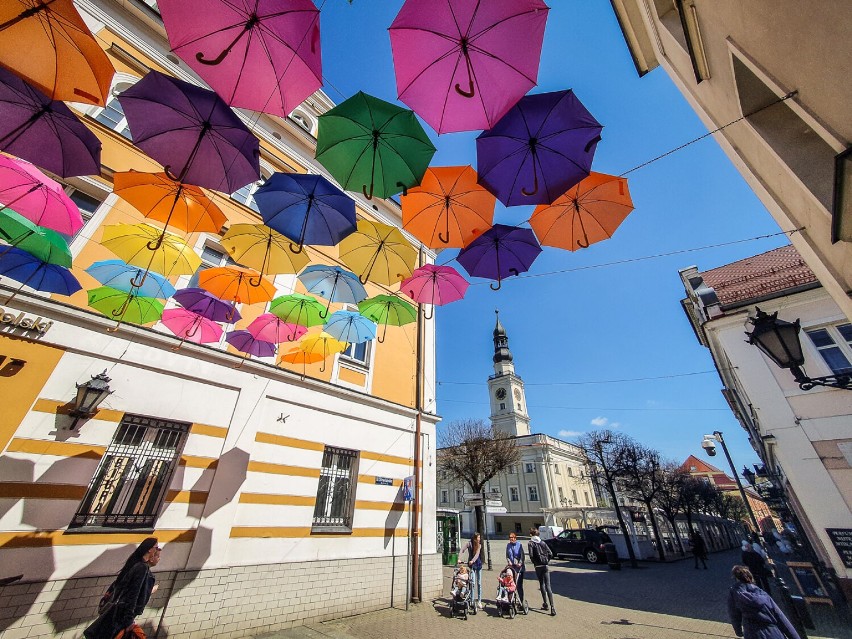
[133,593]
[540,552]
[755,615]
[754,562]
[515,553]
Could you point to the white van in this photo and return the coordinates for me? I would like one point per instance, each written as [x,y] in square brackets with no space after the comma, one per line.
[549,532]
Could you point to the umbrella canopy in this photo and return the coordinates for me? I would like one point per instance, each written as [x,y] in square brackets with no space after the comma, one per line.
[204,303]
[191,132]
[587,213]
[302,310]
[298,356]
[124,306]
[18,265]
[538,150]
[131,243]
[461,64]
[120,276]
[44,244]
[322,345]
[436,285]
[387,310]
[176,204]
[449,208]
[238,284]
[191,327]
[333,283]
[38,198]
[373,146]
[44,131]
[306,208]
[378,253]
[247,343]
[270,328]
[350,327]
[261,248]
[48,43]
[500,252]
[258,54]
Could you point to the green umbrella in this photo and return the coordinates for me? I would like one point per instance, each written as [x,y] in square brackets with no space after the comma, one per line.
[387,310]
[44,244]
[299,309]
[122,306]
[373,146]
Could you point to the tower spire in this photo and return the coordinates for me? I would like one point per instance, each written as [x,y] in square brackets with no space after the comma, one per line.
[501,342]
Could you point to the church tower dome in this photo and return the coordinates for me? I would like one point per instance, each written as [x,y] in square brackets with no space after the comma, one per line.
[508,400]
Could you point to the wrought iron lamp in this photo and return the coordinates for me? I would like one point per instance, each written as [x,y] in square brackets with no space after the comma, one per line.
[89,396]
[779,341]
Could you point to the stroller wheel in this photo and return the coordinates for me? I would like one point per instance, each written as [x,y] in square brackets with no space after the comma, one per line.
[526,608]
[512,611]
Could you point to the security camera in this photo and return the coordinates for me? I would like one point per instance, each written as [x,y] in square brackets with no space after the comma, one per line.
[709,445]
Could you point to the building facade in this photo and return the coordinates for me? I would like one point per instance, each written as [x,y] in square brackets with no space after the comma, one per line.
[255,477]
[804,438]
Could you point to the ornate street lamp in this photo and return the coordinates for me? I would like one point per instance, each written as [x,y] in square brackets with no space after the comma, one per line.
[89,397]
[779,341]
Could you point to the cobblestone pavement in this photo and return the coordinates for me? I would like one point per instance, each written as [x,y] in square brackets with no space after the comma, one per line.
[668,601]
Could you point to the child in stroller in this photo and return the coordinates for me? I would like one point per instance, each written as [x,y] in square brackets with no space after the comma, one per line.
[461,591]
[506,597]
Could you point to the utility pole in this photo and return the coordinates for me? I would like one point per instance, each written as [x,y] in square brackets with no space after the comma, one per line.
[717,434]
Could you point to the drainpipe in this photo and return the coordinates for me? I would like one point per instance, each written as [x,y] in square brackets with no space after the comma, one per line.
[418,405]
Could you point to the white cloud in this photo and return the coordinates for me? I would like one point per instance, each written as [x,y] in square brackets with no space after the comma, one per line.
[569,433]
[600,421]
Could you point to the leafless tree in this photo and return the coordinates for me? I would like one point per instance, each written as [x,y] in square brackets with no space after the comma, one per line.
[668,500]
[643,481]
[692,497]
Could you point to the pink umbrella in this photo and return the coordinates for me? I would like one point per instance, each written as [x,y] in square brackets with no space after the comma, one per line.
[191,327]
[270,328]
[36,197]
[435,285]
[462,64]
[258,54]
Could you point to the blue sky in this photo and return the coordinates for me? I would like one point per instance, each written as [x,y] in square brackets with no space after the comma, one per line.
[573,333]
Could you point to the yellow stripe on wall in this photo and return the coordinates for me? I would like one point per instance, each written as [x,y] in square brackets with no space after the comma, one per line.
[187,496]
[296,532]
[42,539]
[20,490]
[386,506]
[381,457]
[282,469]
[371,479]
[277,500]
[291,442]
[210,431]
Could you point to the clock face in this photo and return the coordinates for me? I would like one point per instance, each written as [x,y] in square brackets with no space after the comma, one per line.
[500,393]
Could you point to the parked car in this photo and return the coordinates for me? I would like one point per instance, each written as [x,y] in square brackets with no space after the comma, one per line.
[548,532]
[588,544]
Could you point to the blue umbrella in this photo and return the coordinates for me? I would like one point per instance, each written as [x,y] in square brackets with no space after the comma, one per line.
[334,284]
[308,209]
[30,271]
[120,275]
[349,326]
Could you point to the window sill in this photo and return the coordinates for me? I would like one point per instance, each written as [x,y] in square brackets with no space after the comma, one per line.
[331,530]
[108,530]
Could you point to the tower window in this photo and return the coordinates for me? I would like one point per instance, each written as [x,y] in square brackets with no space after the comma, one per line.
[502,406]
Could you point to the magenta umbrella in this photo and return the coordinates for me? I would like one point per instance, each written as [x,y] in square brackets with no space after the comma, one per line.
[462,64]
[191,327]
[270,328]
[435,285]
[36,197]
[258,54]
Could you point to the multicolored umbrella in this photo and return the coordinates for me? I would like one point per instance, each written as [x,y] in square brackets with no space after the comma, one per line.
[378,253]
[298,309]
[191,132]
[298,356]
[120,276]
[204,303]
[18,265]
[38,198]
[306,208]
[270,328]
[44,244]
[45,131]
[191,327]
[461,64]
[322,345]
[132,243]
[246,343]
[500,252]
[125,307]
[373,146]
[262,55]
[587,213]
[262,248]
[541,148]
[387,310]
[237,284]
[435,285]
[449,208]
[334,284]
[47,42]
[350,327]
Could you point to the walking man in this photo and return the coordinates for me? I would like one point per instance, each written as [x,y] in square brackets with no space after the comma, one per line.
[699,548]
[541,555]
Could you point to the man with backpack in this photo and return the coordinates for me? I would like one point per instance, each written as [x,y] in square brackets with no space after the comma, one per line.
[540,554]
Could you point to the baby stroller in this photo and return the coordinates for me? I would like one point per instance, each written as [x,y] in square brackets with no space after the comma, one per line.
[463,602]
[507,595]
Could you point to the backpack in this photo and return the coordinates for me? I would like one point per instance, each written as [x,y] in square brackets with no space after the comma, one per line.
[542,553]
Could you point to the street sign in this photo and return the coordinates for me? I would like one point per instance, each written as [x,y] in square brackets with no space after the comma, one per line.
[496,510]
[473,502]
[494,502]
[472,496]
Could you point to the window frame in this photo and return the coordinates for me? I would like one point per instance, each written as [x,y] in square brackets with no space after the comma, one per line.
[445,496]
[532,493]
[516,496]
[843,345]
[335,524]
[529,467]
[459,495]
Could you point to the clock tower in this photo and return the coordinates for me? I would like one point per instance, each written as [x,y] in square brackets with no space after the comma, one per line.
[508,401]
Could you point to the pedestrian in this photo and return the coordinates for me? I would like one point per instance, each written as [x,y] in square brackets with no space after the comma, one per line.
[131,591]
[699,548]
[474,562]
[540,555]
[753,613]
[755,562]
[515,557]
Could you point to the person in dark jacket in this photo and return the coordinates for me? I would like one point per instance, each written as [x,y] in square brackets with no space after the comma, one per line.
[540,555]
[755,562]
[753,613]
[699,548]
[133,588]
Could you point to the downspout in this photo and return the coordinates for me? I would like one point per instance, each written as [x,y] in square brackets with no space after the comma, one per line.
[418,405]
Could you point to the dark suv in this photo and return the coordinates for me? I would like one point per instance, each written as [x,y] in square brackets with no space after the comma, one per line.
[588,544]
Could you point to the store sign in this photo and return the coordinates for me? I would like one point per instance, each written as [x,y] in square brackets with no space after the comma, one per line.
[23,321]
[842,540]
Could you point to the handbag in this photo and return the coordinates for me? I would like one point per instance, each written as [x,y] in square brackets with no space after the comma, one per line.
[133,631]
[108,600]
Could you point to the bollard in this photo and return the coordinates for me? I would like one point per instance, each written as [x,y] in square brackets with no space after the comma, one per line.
[798,617]
[612,557]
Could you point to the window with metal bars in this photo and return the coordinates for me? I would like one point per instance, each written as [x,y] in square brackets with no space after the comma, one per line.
[336,492]
[131,481]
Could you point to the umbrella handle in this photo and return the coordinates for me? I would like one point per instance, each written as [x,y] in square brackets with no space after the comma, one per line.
[322,368]
[231,313]
[168,171]
[364,191]
[324,314]
[136,284]
[196,324]
[582,226]
[403,187]
[535,183]
[431,313]
[471,91]
[381,340]
[498,287]
[153,245]
[249,25]
[242,361]
[467,94]
[296,249]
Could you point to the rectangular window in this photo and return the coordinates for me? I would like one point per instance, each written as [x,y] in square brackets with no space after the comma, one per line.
[586,498]
[112,117]
[336,492]
[570,471]
[556,469]
[359,353]
[529,467]
[561,494]
[86,204]
[514,495]
[532,493]
[459,495]
[831,342]
[513,470]
[445,496]
[574,496]
[499,527]
[131,481]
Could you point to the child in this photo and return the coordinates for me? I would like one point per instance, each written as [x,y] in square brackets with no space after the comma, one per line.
[507,584]
[461,583]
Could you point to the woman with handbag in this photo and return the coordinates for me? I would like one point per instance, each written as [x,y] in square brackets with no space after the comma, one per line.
[474,561]
[130,594]
[753,613]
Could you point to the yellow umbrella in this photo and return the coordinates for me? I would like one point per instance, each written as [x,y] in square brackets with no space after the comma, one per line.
[378,253]
[130,242]
[322,345]
[262,248]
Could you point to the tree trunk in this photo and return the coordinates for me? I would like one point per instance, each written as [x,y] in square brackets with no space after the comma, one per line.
[622,525]
[672,523]
[656,528]
[480,528]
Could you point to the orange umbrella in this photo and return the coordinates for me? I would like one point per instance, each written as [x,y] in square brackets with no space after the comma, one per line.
[449,208]
[587,213]
[299,356]
[47,43]
[160,198]
[237,284]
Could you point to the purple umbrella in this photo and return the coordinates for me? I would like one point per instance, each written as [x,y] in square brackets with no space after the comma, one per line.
[191,132]
[245,342]
[45,131]
[538,150]
[502,251]
[206,304]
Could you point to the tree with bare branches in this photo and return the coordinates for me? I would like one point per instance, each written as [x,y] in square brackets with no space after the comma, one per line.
[668,500]
[643,481]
